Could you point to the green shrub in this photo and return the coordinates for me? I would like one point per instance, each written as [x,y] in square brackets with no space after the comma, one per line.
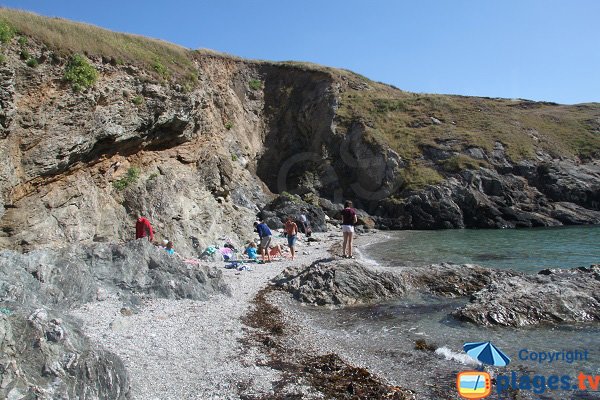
[137,100]
[24,54]
[32,62]
[22,40]
[6,32]
[153,175]
[132,175]
[234,157]
[159,68]
[228,125]
[2,59]
[80,73]
[255,84]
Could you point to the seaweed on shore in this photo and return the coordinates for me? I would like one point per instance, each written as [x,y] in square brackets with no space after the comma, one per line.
[327,375]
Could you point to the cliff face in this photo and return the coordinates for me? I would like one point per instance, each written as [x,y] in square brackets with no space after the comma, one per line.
[78,166]
[200,159]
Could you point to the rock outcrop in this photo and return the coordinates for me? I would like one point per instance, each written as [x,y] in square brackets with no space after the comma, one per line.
[489,199]
[44,355]
[339,283]
[76,274]
[497,297]
[552,296]
[286,205]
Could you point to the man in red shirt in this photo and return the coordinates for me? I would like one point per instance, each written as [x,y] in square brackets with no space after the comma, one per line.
[143,229]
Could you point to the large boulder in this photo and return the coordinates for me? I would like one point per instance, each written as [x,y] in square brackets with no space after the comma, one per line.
[339,283]
[276,212]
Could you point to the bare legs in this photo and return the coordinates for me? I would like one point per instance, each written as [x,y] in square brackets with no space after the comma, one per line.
[347,245]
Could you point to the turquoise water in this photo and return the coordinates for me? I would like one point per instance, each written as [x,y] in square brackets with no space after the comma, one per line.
[526,250]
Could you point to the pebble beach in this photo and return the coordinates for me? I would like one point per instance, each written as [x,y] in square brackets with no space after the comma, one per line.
[183,349]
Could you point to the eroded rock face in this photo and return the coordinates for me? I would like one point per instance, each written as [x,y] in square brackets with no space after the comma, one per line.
[339,283]
[552,296]
[44,354]
[485,198]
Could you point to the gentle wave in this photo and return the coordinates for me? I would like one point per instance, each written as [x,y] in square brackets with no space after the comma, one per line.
[454,356]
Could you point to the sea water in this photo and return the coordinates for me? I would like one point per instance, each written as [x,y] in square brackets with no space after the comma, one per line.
[384,335]
[526,250]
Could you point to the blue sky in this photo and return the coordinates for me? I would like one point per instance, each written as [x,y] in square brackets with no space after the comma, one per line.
[540,50]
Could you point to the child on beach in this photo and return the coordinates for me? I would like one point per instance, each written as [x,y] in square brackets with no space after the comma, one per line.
[251,251]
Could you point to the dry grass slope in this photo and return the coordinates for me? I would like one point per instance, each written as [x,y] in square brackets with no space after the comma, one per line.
[408,122]
[163,59]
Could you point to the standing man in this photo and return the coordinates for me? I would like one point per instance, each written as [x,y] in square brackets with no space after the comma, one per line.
[349,219]
[265,239]
[305,224]
[143,229]
[291,231]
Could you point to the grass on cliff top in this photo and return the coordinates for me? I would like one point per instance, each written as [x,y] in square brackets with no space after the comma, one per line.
[408,122]
[158,57]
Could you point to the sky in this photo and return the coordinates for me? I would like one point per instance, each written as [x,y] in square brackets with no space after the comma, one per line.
[533,49]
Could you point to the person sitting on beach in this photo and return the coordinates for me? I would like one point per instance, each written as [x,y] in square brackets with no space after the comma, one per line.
[291,232]
[275,251]
[265,239]
[251,251]
[169,247]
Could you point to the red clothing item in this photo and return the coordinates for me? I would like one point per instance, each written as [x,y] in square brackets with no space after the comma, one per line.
[348,216]
[143,229]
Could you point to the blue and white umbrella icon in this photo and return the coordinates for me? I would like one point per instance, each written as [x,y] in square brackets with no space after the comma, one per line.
[486,353]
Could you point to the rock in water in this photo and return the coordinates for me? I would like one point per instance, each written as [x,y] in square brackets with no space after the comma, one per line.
[552,296]
[342,283]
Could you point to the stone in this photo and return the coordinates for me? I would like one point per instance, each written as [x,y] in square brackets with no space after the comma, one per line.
[338,284]
[550,297]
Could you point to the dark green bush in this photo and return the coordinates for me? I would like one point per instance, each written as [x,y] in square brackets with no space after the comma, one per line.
[137,100]
[32,62]
[22,40]
[24,54]
[228,125]
[80,73]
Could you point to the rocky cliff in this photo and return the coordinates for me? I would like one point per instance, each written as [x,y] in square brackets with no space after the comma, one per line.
[198,142]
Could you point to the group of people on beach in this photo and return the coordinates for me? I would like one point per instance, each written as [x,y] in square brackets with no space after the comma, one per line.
[267,250]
